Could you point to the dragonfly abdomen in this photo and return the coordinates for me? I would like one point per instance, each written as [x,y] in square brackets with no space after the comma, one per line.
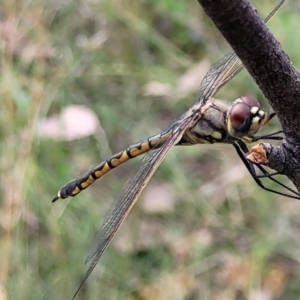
[75,186]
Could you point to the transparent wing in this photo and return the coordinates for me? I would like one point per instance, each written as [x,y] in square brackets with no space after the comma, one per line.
[217,76]
[223,71]
[129,195]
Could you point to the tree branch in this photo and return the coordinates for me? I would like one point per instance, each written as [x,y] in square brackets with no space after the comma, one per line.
[270,67]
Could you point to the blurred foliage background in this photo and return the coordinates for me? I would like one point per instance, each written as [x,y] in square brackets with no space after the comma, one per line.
[83,79]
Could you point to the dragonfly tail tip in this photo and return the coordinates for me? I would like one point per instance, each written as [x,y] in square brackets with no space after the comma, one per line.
[55,199]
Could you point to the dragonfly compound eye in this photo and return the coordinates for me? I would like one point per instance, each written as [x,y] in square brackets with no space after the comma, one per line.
[239,120]
[250,100]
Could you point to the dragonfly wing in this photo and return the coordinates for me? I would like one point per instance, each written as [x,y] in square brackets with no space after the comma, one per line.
[217,76]
[129,195]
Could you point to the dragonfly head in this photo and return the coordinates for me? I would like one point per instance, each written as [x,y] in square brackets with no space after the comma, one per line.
[245,117]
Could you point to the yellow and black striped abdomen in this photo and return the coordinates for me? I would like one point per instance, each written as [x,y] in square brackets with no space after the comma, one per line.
[75,186]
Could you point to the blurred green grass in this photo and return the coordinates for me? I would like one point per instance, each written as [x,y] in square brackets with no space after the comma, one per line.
[218,236]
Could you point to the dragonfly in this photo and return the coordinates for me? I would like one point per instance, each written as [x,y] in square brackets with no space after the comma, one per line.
[208,121]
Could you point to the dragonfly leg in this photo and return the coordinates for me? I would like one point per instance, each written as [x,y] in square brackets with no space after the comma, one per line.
[241,150]
[271,136]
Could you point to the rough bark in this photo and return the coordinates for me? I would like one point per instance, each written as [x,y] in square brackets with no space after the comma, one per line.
[270,67]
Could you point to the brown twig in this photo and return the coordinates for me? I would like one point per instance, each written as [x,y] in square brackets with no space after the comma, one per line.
[271,69]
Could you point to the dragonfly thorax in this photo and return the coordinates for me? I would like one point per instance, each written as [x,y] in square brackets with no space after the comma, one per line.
[211,126]
[245,118]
